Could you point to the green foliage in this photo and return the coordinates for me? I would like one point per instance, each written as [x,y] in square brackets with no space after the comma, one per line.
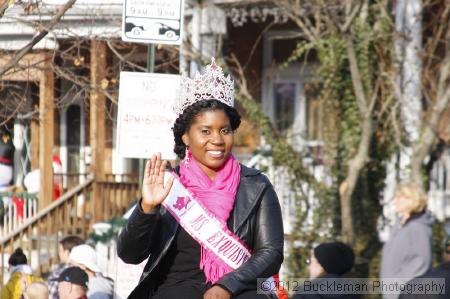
[116,224]
[372,35]
[283,154]
[439,235]
[372,39]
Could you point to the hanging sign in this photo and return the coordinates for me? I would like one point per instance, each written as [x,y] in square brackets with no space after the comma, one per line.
[153,21]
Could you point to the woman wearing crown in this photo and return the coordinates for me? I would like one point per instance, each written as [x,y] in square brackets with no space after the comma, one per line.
[214,229]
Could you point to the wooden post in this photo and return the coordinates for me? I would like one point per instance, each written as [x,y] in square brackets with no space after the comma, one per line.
[31,74]
[46,138]
[97,122]
[34,144]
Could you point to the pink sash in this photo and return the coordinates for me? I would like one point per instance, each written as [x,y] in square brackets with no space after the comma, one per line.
[203,227]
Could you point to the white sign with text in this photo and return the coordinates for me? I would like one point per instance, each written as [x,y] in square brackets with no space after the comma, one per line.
[153,21]
[145,117]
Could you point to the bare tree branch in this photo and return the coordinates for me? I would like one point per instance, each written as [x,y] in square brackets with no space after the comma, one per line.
[3,7]
[349,19]
[42,33]
[85,85]
[351,15]
[429,135]
[437,81]
[356,77]
[357,163]
[396,126]
[256,44]
[111,47]
[296,16]
[272,137]
[11,116]
[439,32]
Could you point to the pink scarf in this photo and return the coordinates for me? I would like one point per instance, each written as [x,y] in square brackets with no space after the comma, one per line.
[218,197]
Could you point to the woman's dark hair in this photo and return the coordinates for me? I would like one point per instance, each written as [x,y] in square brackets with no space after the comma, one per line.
[184,121]
[17,258]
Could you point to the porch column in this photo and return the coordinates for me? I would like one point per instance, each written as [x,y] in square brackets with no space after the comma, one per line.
[97,122]
[46,134]
[34,143]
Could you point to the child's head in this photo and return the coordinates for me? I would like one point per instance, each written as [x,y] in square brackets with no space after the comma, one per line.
[17,258]
[66,245]
[36,290]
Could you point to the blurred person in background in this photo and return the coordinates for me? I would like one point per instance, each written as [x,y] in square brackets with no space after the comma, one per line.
[36,290]
[407,253]
[443,271]
[73,283]
[329,261]
[100,286]
[64,248]
[21,276]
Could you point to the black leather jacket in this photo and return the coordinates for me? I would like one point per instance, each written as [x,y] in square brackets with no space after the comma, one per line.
[255,219]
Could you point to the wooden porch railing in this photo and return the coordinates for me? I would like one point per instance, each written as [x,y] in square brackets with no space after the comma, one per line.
[72,213]
[116,197]
[73,179]
[15,209]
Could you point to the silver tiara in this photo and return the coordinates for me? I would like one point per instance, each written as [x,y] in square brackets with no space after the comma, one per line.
[212,84]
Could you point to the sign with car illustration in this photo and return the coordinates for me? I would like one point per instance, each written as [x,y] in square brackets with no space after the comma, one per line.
[153,21]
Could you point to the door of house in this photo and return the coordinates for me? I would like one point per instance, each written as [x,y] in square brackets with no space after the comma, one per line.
[283,92]
[73,127]
[72,145]
[285,104]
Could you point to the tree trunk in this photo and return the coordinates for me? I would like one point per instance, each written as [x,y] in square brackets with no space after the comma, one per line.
[348,186]
[408,24]
[359,161]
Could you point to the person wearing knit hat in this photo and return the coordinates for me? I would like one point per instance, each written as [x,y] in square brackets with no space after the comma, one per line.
[335,257]
[329,261]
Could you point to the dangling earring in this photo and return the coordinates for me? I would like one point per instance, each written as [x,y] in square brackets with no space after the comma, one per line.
[186,157]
